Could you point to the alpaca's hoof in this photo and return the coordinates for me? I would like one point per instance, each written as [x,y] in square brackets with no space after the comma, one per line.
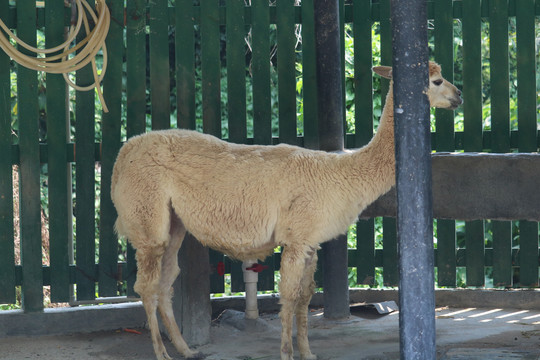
[194,355]
[286,356]
[309,356]
[163,356]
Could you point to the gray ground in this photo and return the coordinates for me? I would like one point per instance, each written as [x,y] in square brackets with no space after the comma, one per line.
[461,334]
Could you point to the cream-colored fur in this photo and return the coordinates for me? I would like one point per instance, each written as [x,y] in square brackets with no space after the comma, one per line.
[244,201]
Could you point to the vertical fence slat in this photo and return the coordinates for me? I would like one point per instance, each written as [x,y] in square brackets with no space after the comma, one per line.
[286,57]
[260,67]
[386,43]
[500,129]
[474,256]
[473,129]
[444,46]
[59,188]
[85,193]
[237,277]
[446,232]
[217,284]
[499,76]
[472,76]
[236,71]
[446,229]
[309,77]
[135,96]
[185,65]
[112,91]
[446,252]
[7,255]
[266,277]
[527,128]
[365,252]
[363,76]
[210,67]
[310,96]
[30,196]
[502,253]
[390,252]
[286,86]
[211,97]
[528,253]
[159,64]
[363,125]
[136,67]
[390,257]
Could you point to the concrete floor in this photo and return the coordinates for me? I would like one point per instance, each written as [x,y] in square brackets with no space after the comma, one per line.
[461,334]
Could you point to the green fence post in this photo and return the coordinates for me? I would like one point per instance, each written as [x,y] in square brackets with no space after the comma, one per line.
[7,255]
[30,196]
[500,130]
[135,96]
[236,71]
[59,187]
[527,130]
[286,57]
[260,67]
[210,67]
[159,64]
[309,78]
[473,129]
[112,91]
[85,183]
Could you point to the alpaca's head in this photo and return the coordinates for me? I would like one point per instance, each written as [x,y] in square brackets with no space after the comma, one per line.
[441,93]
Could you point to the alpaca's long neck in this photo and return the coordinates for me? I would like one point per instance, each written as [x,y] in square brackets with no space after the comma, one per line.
[371,169]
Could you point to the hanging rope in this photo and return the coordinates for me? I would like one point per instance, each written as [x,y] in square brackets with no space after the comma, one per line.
[88,48]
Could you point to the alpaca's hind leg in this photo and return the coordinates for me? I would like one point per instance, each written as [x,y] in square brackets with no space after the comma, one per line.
[301,311]
[293,264]
[147,286]
[170,271]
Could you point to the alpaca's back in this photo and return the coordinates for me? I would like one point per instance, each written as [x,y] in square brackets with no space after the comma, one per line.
[228,196]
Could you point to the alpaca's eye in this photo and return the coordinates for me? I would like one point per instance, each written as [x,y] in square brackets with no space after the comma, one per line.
[438,82]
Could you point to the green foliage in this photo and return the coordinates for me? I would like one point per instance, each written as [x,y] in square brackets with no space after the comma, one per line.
[349,87]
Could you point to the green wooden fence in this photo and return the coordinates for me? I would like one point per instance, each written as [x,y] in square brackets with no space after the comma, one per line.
[209,67]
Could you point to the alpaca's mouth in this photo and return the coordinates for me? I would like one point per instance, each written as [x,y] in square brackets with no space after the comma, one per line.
[455,103]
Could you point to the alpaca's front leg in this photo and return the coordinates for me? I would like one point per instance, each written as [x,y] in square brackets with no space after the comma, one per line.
[286,315]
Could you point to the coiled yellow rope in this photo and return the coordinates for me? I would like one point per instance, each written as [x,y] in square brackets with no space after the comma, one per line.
[89,47]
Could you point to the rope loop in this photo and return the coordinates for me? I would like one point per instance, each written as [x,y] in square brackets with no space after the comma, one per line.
[87,48]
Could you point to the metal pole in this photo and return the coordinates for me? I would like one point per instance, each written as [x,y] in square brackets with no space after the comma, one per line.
[413,177]
[330,109]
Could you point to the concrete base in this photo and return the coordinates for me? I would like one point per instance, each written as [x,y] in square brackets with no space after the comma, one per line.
[237,319]
[82,319]
[109,317]
[482,334]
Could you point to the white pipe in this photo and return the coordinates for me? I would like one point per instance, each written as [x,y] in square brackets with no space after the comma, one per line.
[250,279]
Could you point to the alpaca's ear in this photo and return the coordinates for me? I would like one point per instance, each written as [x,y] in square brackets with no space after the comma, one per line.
[384,71]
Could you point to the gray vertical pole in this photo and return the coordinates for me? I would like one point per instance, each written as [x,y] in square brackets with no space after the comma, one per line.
[413,178]
[330,109]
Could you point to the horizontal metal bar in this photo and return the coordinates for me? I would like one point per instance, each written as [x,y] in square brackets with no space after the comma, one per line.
[475,186]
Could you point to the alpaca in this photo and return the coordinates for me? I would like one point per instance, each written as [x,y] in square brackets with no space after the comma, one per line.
[245,200]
